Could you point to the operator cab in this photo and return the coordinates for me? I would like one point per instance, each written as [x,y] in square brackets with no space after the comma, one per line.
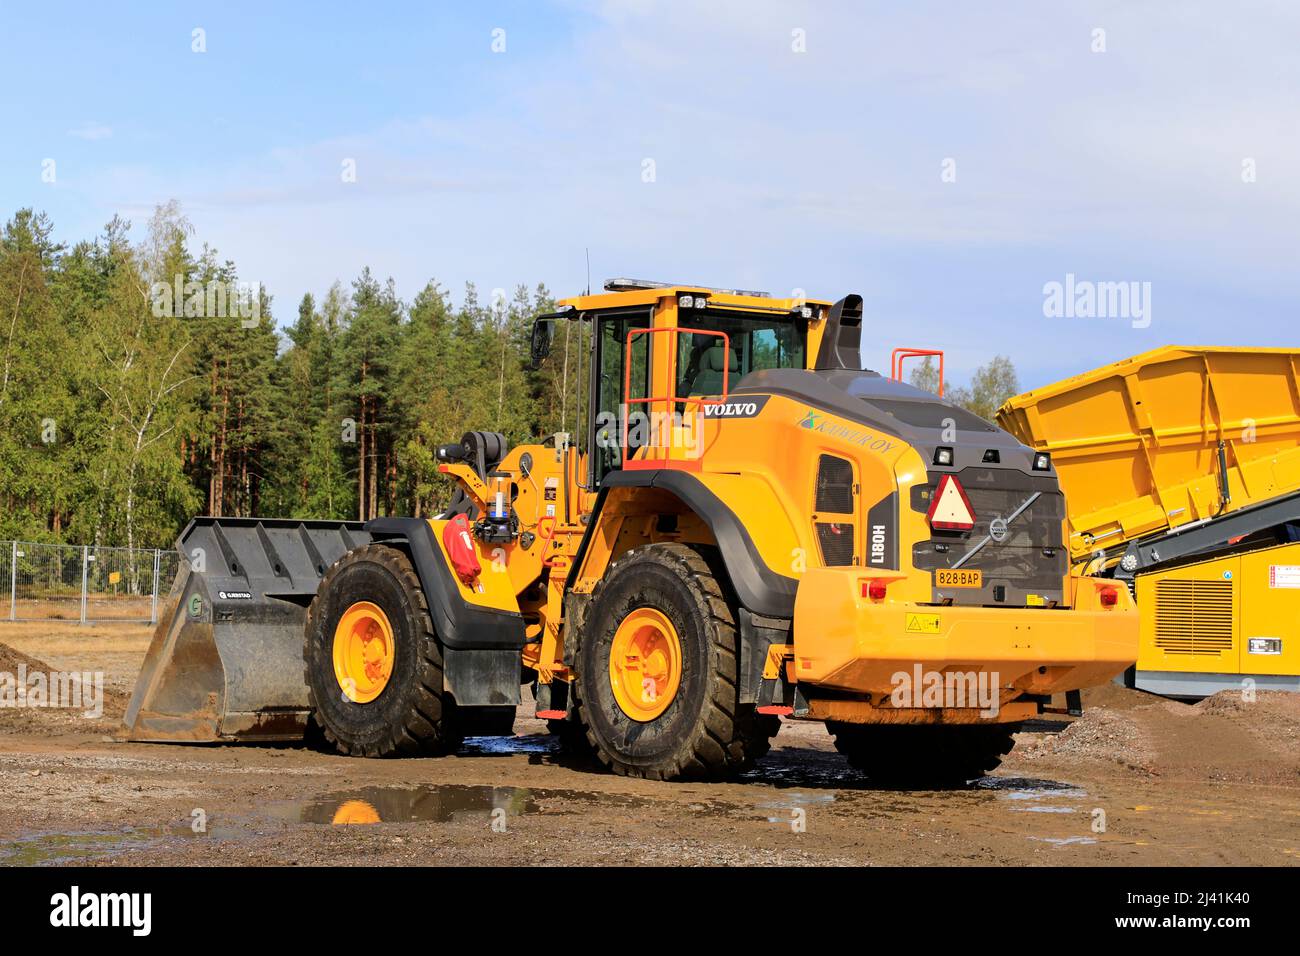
[663,348]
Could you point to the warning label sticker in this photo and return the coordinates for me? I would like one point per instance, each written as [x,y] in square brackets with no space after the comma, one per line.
[923,623]
[1284,575]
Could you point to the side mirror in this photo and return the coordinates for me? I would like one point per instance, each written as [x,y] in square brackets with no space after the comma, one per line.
[540,347]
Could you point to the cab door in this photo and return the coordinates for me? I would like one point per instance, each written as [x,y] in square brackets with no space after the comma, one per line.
[610,374]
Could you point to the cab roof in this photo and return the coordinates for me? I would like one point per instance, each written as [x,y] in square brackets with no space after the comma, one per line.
[632,292]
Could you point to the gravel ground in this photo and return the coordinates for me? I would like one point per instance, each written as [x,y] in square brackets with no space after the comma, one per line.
[1136,780]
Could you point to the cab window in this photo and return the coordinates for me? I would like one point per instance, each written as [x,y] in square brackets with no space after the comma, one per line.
[753,343]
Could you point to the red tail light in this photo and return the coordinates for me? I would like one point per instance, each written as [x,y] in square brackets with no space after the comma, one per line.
[1109,597]
[874,589]
[950,510]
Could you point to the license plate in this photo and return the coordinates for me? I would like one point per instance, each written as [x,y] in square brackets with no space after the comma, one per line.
[958,578]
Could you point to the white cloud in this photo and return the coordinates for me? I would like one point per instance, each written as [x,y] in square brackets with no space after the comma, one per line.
[91,131]
[820,170]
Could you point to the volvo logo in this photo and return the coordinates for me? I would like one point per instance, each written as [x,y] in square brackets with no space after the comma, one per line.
[998,529]
[744,406]
[733,409]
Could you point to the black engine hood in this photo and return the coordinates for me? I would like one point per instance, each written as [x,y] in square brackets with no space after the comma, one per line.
[921,419]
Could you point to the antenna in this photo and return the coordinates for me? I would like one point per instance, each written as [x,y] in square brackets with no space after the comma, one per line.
[588,270]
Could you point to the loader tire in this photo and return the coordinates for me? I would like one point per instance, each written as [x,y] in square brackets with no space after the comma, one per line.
[572,737]
[697,729]
[404,714]
[923,756]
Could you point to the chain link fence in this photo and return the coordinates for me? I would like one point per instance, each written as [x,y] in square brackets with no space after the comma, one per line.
[68,582]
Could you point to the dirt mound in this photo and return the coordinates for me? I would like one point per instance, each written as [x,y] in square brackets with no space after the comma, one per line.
[28,697]
[11,659]
[1265,705]
[1114,696]
[1100,734]
[1271,718]
[1227,737]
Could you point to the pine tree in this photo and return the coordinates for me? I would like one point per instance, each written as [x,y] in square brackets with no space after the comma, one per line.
[368,350]
[34,404]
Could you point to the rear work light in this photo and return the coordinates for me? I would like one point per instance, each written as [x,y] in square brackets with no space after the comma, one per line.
[951,509]
[943,456]
[1042,461]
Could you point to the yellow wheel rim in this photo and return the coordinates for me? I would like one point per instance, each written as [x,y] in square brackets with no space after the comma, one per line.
[363,652]
[645,664]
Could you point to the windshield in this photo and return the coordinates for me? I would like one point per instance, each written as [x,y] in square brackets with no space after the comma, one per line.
[753,343]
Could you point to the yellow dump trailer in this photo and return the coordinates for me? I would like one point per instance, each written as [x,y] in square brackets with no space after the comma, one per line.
[1181,469]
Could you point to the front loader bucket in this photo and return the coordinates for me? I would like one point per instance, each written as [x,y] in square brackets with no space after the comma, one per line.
[225,662]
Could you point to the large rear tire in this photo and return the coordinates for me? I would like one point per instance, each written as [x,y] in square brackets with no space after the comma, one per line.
[656,677]
[923,756]
[372,663]
[572,737]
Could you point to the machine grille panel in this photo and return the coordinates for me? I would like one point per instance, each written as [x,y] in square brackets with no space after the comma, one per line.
[1194,617]
[834,485]
[836,540]
[1031,557]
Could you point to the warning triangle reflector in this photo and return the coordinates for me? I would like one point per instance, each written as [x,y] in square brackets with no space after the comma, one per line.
[950,510]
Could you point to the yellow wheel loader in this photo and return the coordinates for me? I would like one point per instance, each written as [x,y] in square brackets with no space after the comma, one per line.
[751,526]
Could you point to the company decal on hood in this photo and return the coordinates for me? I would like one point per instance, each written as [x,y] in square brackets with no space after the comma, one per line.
[823,423]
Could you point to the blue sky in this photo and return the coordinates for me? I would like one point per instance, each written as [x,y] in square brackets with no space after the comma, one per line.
[773,168]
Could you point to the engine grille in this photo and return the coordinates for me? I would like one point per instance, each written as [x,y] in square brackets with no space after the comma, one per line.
[1031,558]
[834,485]
[836,541]
[1194,617]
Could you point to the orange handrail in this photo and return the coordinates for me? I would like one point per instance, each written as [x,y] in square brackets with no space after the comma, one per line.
[634,464]
[898,355]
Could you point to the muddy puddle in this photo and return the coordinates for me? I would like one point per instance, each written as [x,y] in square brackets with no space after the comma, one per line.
[506,746]
[1024,795]
[439,803]
[76,848]
[1052,814]
[64,849]
[808,790]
